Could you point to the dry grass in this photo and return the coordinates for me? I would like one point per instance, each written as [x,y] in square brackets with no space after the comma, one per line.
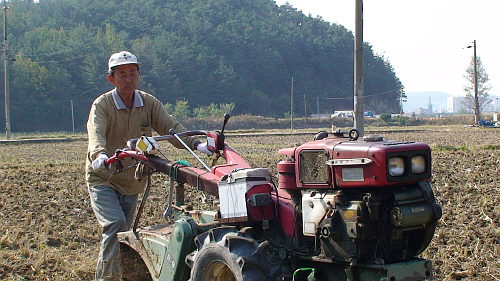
[48,231]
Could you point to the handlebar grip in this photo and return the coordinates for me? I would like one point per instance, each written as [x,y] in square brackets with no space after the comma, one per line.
[111,160]
[124,154]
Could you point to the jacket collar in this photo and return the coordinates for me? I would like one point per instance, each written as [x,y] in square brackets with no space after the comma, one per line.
[138,102]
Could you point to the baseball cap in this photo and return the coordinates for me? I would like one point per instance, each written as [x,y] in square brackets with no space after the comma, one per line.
[122,58]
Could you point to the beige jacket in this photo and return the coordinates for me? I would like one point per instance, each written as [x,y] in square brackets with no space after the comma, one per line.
[111,124]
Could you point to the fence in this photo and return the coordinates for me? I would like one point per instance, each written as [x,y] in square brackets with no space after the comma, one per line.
[47,116]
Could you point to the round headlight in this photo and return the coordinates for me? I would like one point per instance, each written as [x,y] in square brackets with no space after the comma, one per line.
[418,164]
[396,166]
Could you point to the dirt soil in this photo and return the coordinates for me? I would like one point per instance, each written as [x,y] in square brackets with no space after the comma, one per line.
[48,230]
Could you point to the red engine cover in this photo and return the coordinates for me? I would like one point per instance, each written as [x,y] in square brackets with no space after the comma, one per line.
[376,173]
[258,213]
[286,174]
[307,167]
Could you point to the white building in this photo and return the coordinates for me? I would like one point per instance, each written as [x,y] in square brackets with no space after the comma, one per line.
[343,113]
[494,106]
[456,104]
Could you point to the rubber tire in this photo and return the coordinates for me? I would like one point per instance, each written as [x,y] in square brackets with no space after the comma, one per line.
[353,134]
[225,254]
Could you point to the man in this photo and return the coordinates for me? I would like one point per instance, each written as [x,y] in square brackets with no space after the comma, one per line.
[116,116]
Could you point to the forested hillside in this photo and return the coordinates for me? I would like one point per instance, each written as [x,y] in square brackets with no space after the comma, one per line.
[202,51]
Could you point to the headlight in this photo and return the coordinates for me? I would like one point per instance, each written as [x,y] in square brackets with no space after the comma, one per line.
[396,166]
[418,164]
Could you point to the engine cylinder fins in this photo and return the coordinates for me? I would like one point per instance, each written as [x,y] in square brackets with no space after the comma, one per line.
[373,138]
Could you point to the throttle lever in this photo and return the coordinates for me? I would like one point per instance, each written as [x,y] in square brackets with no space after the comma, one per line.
[226,118]
[172,132]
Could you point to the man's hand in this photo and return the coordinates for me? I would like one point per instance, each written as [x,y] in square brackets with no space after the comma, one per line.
[202,147]
[99,164]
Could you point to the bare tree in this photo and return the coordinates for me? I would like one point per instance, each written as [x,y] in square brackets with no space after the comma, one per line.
[483,87]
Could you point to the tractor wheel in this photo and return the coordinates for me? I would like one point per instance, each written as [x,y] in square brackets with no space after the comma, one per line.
[225,254]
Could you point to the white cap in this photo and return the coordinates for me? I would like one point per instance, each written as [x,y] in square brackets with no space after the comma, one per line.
[121,58]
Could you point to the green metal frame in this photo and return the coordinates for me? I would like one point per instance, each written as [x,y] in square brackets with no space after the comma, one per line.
[163,248]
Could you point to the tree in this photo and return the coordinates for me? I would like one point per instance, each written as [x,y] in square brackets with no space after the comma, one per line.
[181,110]
[385,116]
[213,110]
[483,87]
[208,52]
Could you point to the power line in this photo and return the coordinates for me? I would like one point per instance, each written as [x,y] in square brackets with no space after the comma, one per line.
[372,95]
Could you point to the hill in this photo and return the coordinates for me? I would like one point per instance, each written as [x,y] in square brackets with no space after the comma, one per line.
[200,51]
[421,99]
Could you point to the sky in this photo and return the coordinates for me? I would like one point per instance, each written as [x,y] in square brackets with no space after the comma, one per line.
[425,41]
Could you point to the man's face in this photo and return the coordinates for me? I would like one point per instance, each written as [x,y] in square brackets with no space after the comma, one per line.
[125,78]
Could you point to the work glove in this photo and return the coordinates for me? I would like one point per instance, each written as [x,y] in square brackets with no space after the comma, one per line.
[202,147]
[99,164]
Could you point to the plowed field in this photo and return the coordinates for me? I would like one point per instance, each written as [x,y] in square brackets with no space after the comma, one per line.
[48,230]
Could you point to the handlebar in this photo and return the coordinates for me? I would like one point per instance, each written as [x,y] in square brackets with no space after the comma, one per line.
[124,154]
[206,179]
[131,152]
[131,143]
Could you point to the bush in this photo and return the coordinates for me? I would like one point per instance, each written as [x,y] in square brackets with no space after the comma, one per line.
[213,110]
[180,110]
[385,116]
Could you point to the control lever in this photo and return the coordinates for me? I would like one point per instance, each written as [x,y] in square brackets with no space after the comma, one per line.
[170,209]
[172,132]
[226,118]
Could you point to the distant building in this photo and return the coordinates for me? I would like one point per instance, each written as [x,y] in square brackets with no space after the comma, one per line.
[456,104]
[350,114]
[424,111]
[421,111]
[343,113]
[429,105]
[494,106]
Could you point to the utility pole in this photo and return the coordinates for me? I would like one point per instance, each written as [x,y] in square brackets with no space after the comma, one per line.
[402,99]
[73,116]
[5,49]
[305,108]
[358,70]
[317,105]
[477,116]
[291,107]
[400,103]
